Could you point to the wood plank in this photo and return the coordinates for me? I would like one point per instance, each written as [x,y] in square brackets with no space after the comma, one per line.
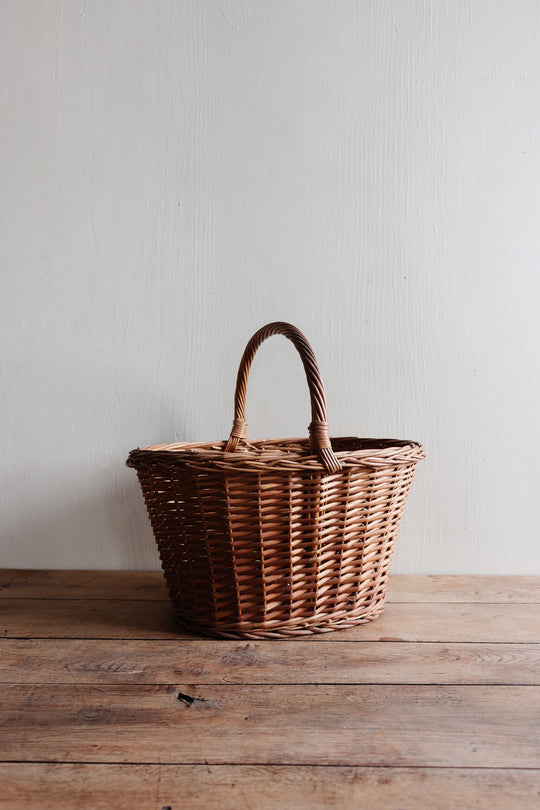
[208,661]
[474,589]
[87,618]
[130,787]
[55,584]
[444,622]
[435,726]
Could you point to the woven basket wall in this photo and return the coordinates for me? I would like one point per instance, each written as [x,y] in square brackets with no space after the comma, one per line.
[280,537]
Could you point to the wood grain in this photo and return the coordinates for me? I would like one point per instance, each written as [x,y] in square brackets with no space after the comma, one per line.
[186,787]
[220,662]
[370,725]
[435,704]
[87,618]
[474,590]
[444,622]
[55,584]
[143,585]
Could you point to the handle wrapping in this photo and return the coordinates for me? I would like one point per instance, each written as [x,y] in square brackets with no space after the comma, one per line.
[318,429]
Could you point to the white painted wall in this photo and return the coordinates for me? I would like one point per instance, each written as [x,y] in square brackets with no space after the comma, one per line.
[176,173]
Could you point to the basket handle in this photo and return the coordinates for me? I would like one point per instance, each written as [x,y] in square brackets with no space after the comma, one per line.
[318,429]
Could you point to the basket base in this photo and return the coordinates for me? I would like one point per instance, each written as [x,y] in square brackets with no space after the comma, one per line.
[317,625]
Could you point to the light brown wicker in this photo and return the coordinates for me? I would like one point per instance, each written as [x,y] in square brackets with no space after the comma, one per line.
[279,537]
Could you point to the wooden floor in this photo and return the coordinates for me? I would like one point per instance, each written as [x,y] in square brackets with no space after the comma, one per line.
[104,704]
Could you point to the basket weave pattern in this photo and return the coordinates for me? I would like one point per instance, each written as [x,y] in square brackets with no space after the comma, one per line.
[278,537]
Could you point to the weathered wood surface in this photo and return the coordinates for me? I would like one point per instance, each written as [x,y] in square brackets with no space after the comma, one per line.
[368,725]
[435,704]
[501,589]
[205,661]
[87,618]
[23,583]
[401,621]
[29,583]
[215,787]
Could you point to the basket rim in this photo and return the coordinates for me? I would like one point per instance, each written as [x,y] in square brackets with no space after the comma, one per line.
[278,454]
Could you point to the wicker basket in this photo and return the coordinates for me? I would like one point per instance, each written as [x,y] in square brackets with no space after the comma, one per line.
[279,537]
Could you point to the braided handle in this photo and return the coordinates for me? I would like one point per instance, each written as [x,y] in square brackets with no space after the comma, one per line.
[318,429]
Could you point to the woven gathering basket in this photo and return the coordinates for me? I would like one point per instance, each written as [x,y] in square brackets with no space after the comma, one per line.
[279,537]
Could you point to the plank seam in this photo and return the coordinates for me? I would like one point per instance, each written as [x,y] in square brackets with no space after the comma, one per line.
[205,764]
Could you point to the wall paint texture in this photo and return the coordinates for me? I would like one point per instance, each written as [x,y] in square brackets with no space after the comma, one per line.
[176,173]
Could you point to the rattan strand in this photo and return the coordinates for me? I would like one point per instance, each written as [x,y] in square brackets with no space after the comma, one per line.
[277,537]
